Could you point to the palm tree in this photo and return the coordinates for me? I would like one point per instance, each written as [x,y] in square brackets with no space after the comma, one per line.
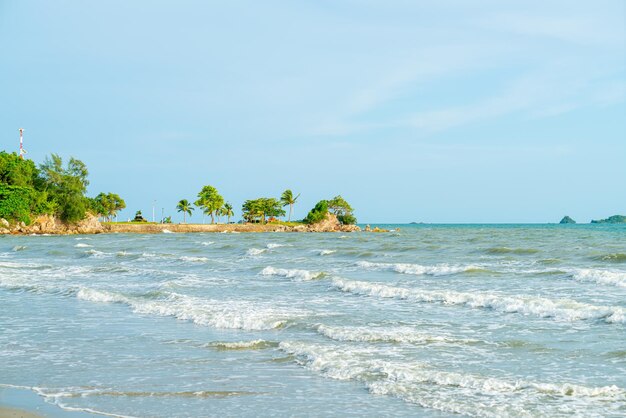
[185,207]
[227,210]
[288,199]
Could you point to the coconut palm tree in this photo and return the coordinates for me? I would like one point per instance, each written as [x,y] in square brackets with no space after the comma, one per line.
[227,210]
[288,199]
[185,207]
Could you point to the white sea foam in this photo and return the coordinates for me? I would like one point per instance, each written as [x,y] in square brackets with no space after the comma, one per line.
[19,248]
[390,335]
[209,312]
[417,269]
[167,231]
[96,254]
[468,394]
[255,251]
[242,345]
[327,252]
[190,259]
[207,243]
[605,277]
[298,275]
[273,245]
[82,245]
[561,309]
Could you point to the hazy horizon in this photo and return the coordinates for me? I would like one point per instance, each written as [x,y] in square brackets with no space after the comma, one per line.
[436,112]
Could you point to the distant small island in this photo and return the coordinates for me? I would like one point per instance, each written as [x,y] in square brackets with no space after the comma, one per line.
[567,220]
[615,219]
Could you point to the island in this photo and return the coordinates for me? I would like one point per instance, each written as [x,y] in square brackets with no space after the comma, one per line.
[567,220]
[51,199]
[615,219]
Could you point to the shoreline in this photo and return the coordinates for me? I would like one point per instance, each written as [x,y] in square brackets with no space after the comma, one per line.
[46,225]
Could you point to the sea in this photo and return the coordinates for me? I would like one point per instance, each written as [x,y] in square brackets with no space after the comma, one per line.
[422,321]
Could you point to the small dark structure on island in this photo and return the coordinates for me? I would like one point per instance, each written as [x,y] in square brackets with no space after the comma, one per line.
[139,217]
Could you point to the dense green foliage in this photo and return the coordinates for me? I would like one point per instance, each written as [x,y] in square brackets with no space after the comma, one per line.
[258,210]
[615,219]
[337,206]
[210,201]
[52,189]
[106,205]
[342,209]
[318,213]
[288,199]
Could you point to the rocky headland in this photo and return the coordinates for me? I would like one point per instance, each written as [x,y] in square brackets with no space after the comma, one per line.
[49,225]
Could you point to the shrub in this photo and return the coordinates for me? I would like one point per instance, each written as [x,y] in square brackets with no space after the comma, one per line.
[318,213]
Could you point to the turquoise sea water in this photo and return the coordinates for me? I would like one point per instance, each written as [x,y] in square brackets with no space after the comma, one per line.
[477,320]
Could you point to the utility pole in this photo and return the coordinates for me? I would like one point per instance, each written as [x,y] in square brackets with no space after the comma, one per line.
[162,215]
[153,204]
[22,150]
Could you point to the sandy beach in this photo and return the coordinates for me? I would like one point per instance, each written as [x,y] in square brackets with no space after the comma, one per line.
[16,413]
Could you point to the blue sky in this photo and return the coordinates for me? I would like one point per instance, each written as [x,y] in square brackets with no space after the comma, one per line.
[433,111]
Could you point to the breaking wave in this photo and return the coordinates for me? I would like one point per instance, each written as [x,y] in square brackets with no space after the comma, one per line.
[255,251]
[612,258]
[299,275]
[210,312]
[327,252]
[388,335]
[614,278]
[507,250]
[417,269]
[561,309]
[469,394]
[242,345]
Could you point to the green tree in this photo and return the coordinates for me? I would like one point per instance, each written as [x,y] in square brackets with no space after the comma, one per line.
[227,210]
[107,205]
[288,199]
[185,207]
[258,210]
[342,209]
[210,201]
[66,186]
[318,213]
[15,171]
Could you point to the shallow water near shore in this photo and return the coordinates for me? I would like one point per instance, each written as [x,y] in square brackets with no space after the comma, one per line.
[432,320]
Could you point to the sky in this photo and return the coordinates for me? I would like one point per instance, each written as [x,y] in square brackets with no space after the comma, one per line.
[430,111]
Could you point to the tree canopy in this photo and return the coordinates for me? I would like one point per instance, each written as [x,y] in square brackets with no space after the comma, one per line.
[210,201]
[258,210]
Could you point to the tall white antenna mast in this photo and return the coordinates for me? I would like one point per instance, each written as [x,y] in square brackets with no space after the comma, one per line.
[22,150]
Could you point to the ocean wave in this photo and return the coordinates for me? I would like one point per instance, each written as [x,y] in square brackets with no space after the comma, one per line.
[96,254]
[241,345]
[273,245]
[167,231]
[469,394]
[19,248]
[208,312]
[82,245]
[388,335]
[606,277]
[207,243]
[417,269]
[612,258]
[561,309]
[507,250]
[299,275]
[255,251]
[190,259]
[327,252]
